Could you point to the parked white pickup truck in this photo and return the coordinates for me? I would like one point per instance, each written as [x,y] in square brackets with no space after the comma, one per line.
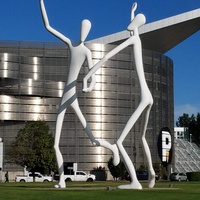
[29,178]
[80,176]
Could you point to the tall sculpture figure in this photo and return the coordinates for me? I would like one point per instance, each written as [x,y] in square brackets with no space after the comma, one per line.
[79,53]
[144,106]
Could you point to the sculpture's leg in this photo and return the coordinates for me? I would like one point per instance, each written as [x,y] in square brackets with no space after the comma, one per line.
[113,148]
[59,156]
[128,163]
[131,170]
[151,172]
[94,141]
[67,100]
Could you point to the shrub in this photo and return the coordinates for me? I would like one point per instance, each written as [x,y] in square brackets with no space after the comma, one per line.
[193,176]
[118,171]
[100,173]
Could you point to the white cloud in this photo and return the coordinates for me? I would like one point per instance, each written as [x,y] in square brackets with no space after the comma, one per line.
[187,108]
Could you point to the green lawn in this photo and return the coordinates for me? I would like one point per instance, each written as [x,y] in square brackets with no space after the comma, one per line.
[99,191]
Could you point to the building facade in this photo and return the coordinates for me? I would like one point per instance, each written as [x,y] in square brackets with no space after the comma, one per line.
[181,133]
[32,77]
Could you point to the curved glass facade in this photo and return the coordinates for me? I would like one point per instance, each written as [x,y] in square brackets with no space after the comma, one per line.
[32,77]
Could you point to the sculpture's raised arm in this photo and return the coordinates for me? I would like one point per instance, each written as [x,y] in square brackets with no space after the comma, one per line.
[49,28]
[133,8]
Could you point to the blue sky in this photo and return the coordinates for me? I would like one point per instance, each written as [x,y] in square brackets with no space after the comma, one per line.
[21,20]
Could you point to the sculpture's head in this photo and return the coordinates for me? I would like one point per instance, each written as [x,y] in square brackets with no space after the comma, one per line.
[138,21]
[85,29]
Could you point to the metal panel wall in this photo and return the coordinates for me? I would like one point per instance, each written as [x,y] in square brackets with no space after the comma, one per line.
[32,77]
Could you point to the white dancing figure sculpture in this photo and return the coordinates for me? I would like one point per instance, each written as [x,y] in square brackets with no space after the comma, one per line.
[144,106]
[79,53]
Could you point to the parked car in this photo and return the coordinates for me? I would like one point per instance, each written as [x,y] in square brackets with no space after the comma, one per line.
[79,176]
[29,178]
[141,175]
[178,177]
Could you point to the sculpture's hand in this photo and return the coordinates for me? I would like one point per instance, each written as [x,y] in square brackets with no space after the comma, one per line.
[85,83]
[92,84]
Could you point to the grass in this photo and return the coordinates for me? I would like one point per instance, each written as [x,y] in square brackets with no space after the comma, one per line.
[99,191]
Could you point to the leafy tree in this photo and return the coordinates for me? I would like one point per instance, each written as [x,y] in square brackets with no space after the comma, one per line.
[193,124]
[33,147]
[183,121]
[197,132]
[118,171]
[160,170]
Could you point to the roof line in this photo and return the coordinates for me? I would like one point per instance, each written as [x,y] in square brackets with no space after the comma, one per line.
[157,31]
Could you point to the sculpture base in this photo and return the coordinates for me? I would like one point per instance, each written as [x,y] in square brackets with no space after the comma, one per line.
[151,182]
[132,186]
[60,185]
